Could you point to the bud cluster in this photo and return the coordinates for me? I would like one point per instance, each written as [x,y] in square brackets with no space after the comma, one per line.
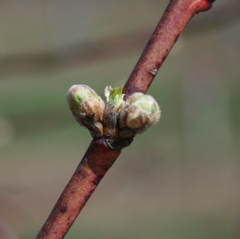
[115,118]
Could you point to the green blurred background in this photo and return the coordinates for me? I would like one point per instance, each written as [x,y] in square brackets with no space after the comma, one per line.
[180,179]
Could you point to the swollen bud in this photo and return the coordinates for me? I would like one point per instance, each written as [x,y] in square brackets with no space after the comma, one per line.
[140,112]
[87,108]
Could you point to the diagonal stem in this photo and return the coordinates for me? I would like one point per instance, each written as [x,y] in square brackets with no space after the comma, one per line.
[169,28]
[95,163]
[101,153]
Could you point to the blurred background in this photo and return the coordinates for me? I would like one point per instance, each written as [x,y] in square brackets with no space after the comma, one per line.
[180,179]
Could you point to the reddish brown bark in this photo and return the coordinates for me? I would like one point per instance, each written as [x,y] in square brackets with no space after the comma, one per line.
[100,155]
[169,28]
[94,165]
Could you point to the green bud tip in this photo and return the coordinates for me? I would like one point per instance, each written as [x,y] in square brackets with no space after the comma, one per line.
[114,97]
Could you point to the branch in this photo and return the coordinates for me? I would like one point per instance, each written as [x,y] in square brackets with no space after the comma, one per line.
[95,163]
[103,151]
[169,28]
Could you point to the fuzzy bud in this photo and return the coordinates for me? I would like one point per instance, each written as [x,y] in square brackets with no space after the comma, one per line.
[140,112]
[87,108]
